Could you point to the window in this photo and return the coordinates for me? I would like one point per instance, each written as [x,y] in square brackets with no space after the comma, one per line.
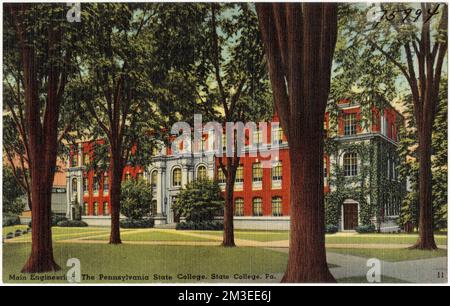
[239,174]
[325,170]
[86,159]
[221,176]
[239,207]
[154,178]
[349,124]
[350,164]
[257,137]
[84,210]
[277,136]
[277,209]
[95,183]
[105,183]
[74,185]
[257,207]
[128,176]
[95,209]
[74,159]
[204,139]
[105,209]
[176,177]
[224,141]
[257,172]
[85,185]
[201,173]
[277,171]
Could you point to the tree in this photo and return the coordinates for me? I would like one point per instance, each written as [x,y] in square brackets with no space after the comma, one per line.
[136,199]
[417,47]
[230,75]
[299,41]
[12,193]
[42,36]
[199,200]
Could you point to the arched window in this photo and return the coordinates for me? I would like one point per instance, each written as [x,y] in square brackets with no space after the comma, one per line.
[257,207]
[239,207]
[105,209]
[201,173]
[176,177]
[154,178]
[84,210]
[277,208]
[350,164]
[95,209]
[74,185]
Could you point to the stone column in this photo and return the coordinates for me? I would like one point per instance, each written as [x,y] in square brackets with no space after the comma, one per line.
[160,195]
[184,175]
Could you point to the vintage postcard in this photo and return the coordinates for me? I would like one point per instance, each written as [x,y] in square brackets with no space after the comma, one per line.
[224,143]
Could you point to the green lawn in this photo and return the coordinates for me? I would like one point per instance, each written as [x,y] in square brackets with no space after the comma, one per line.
[391,254]
[380,239]
[252,235]
[153,235]
[63,233]
[362,280]
[150,260]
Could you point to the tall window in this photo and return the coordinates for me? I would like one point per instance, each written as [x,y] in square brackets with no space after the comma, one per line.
[153,208]
[105,183]
[74,185]
[85,185]
[349,124]
[277,171]
[277,136]
[221,176]
[277,209]
[176,177]
[201,173]
[105,209]
[257,137]
[239,207]
[84,210]
[257,172]
[74,159]
[154,178]
[350,164]
[239,174]
[224,141]
[95,184]
[95,209]
[257,207]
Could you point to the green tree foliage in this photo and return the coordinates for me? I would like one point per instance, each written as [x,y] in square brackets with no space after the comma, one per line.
[12,193]
[408,149]
[199,201]
[136,198]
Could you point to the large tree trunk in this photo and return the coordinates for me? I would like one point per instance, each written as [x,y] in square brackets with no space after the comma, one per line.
[307,256]
[41,257]
[426,234]
[299,41]
[228,224]
[116,182]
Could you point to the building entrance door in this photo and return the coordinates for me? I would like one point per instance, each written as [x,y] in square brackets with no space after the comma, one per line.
[350,216]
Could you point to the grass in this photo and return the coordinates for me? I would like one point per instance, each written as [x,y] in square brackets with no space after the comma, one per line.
[153,235]
[392,255]
[380,239]
[262,236]
[145,261]
[363,279]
